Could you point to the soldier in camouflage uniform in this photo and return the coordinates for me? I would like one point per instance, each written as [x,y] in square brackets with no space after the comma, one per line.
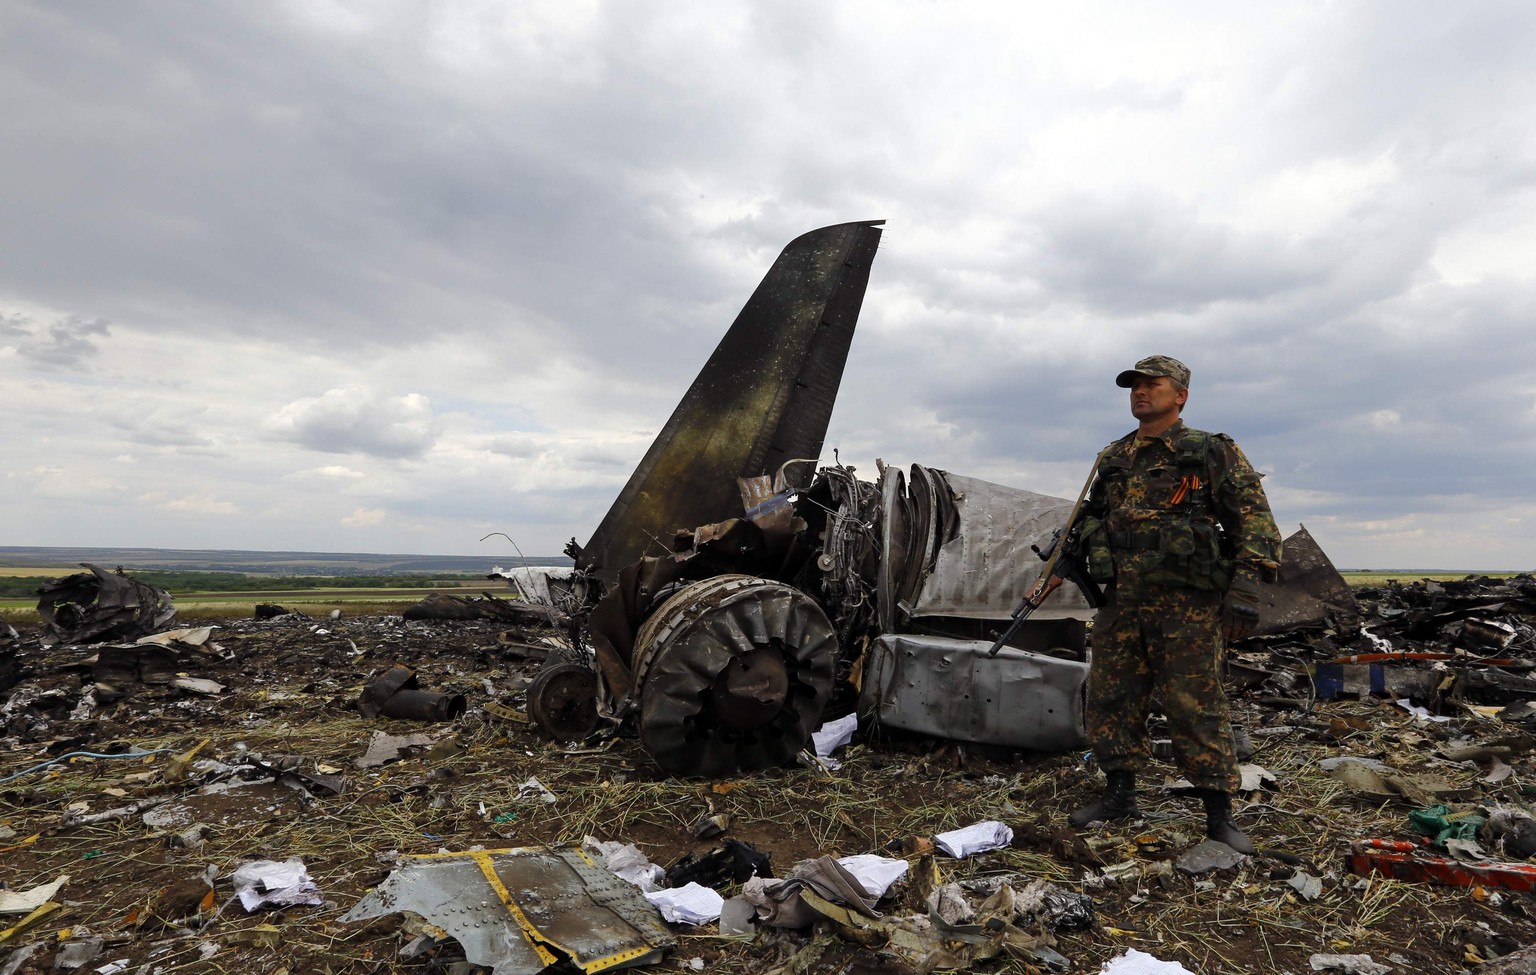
[1178,528]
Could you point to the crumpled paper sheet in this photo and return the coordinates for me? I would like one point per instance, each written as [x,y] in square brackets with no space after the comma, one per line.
[874,873]
[1135,962]
[693,904]
[27,901]
[267,883]
[627,862]
[977,838]
[832,736]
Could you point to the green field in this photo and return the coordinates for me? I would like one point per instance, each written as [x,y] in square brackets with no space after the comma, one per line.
[1377,577]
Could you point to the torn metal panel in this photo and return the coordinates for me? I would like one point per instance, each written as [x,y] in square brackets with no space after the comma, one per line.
[984,568]
[101,605]
[952,689]
[763,398]
[517,910]
[1308,591]
[560,586]
[1408,861]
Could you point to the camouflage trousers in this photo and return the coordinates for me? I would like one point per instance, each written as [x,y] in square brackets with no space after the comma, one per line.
[1168,649]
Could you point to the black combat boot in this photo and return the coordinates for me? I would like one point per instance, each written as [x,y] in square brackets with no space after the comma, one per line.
[1118,802]
[1218,821]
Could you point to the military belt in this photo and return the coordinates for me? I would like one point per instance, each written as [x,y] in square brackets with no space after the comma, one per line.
[1129,541]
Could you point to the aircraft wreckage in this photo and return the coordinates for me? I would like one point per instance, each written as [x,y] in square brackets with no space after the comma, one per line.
[735,593]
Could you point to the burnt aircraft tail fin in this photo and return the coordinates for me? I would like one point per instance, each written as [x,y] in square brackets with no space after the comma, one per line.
[764,397]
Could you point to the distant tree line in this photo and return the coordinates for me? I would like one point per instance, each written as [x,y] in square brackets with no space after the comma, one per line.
[21,587]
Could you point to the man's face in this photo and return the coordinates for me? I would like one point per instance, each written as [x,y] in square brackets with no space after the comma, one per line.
[1156,399]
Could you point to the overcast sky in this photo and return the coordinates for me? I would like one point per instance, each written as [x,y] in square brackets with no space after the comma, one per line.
[389,276]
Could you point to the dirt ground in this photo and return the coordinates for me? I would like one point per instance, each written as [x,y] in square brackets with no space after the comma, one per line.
[140,889]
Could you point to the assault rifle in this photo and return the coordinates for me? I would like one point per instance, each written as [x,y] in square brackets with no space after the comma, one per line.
[1064,560]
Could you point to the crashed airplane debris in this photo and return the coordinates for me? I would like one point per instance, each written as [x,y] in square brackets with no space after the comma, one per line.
[517,911]
[725,645]
[884,585]
[100,605]
[734,590]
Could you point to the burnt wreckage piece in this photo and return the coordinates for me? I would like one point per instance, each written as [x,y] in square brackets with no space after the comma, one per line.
[734,590]
[764,398]
[101,605]
[730,673]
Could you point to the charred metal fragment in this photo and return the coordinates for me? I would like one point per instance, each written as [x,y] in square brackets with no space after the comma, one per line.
[99,605]
[519,911]
[763,398]
[562,700]
[396,694]
[1308,592]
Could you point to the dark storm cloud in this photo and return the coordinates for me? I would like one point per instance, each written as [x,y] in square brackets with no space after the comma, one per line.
[227,159]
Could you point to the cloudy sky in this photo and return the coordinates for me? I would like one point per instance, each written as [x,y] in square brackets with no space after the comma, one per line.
[388,276]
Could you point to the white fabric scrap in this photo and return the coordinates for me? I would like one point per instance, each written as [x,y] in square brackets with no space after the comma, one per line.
[832,736]
[27,901]
[874,873]
[267,883]
[978,838]
[693,904]
[1135,962]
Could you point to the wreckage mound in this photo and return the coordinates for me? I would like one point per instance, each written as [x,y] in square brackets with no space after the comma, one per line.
[152,801]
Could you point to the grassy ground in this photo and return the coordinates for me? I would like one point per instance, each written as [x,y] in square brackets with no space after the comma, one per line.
[1376,577]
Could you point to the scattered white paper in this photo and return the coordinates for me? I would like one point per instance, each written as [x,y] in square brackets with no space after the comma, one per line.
[27,901]
[875,873]
[113,967]
[1422,713]
[1254,777]
[198,685]
[1309,887]
[1354,964]
[832,736]
[1135,962]
[267,883]
[693,904]
[627,862]
[532,788]
[1379,643]
[979,838]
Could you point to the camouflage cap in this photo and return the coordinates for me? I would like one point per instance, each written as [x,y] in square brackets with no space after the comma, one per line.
[1155,365]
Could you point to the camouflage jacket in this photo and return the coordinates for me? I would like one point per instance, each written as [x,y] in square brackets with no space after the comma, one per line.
[1183,509]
